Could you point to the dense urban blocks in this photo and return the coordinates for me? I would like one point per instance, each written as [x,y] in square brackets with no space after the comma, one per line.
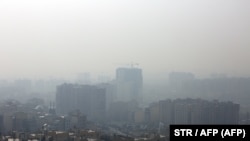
[198,111]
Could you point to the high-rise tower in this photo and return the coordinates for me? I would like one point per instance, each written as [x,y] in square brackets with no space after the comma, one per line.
[129,83]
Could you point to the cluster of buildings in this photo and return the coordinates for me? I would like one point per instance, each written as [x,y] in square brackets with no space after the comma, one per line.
[178,111]
[114,111]
[99,102]
[74,105]
[121,101]
[192,111]
[27,117]
[79,135]
[34,121]
[24,89]
[218,86]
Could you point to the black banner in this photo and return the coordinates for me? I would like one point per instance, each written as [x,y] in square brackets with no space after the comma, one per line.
[210,132]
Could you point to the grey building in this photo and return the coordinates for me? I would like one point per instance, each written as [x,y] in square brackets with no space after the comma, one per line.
[129,82]
[89,100]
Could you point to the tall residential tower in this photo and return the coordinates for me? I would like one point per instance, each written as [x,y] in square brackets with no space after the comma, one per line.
[129,83]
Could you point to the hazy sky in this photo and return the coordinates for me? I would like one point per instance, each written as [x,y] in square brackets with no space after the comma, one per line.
[42,38]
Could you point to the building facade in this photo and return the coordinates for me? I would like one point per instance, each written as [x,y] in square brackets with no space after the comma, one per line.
[129,82]
[89,100]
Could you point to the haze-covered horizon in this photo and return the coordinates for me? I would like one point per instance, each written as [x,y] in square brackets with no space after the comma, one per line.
[42,39]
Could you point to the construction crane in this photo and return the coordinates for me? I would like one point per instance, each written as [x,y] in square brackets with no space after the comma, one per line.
[134,65]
